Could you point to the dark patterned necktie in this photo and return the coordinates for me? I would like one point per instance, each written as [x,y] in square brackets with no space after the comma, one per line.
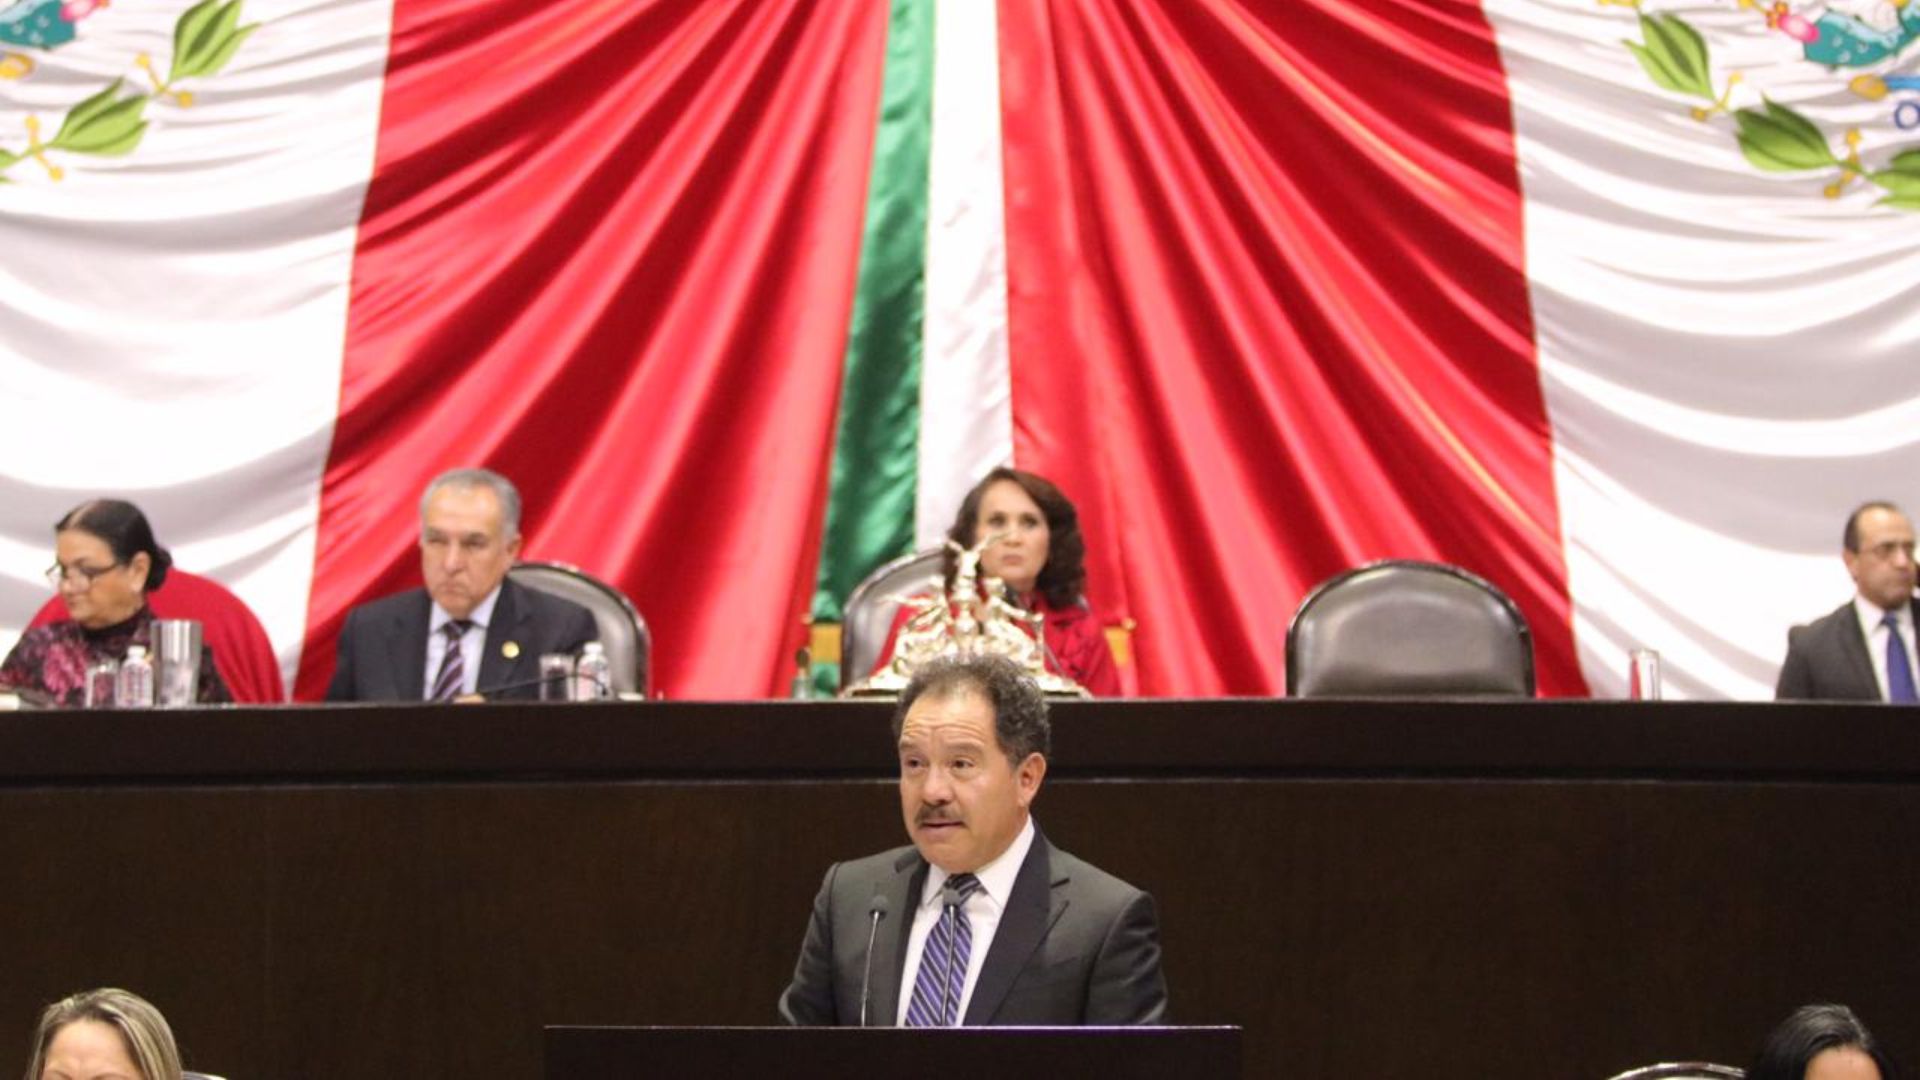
[453,667]
[1899,671]
[943,962]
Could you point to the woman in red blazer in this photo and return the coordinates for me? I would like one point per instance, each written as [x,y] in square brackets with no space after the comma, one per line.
[1042,561]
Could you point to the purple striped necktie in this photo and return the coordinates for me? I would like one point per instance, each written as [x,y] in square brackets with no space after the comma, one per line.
[1900,688]
[943,961]
[453,666]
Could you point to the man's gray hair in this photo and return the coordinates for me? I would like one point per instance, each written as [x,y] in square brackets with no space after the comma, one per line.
[467,480]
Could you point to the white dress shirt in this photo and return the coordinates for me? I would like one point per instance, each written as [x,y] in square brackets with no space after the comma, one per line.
[1872,624]
[983,910]
[473,643]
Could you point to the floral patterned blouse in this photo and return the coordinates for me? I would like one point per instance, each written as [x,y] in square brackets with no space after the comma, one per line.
[53,659]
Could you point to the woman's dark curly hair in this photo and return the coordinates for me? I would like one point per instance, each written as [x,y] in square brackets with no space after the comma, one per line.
[1064,578]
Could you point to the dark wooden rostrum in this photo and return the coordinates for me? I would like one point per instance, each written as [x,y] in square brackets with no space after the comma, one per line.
[1379,889]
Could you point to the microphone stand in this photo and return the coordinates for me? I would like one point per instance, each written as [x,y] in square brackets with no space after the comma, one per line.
[877,910]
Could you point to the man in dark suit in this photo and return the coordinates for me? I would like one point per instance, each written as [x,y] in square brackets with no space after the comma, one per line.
[981,921]
[470,630]
[1863,650]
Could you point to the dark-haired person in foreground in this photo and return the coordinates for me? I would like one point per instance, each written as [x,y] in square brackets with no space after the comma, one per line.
[106,561]
[1042,562]
[981,921]
[1864,650]
[1822,1042]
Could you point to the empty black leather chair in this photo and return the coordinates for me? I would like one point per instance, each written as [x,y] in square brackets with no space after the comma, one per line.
[1400,628]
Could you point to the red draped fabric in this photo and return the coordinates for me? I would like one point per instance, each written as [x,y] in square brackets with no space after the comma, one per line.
[1268,314]
[609,250]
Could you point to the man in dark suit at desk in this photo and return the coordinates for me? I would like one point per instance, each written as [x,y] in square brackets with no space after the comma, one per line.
[470,630]
[1863,650]
[981,921]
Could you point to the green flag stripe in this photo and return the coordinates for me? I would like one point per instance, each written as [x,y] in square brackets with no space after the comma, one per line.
[871,494]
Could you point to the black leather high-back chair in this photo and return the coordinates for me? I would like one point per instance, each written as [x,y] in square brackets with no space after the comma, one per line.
[623,633]
[1682,1070]
[871,606]
[1401,628]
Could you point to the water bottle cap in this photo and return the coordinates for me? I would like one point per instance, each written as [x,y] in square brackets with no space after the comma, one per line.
[592,647]
[136,651]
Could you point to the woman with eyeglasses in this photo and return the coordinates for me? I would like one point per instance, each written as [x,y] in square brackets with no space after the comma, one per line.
[105,562]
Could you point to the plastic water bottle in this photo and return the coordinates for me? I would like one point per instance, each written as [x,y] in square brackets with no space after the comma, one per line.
[103,676]
[134,687]
[802,688]
[592,674]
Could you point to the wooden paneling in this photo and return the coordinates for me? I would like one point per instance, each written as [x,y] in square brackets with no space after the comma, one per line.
[1374,890]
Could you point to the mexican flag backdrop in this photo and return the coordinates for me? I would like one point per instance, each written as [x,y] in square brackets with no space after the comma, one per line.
[1614,303]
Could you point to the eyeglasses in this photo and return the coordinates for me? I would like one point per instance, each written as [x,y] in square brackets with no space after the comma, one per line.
[85,574]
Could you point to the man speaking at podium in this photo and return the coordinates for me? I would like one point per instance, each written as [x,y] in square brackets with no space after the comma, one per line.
[981,921]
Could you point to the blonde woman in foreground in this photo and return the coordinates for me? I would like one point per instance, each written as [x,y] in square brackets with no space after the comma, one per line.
[103,1034]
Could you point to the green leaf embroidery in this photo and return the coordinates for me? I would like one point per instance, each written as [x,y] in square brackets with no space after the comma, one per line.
[110,131]
[1902,202]
[1674,55]
[226,50]
[206,37]
[1901,184]
[81,114]
[1655,68]
[1781,140]
[208,50]
[189,32]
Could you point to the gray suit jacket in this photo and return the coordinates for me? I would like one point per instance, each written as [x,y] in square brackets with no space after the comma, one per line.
[383,646]
[1827,661]
[1076,945]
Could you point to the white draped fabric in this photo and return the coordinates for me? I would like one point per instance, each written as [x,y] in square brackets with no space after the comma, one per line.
[1731,358]
[172,316]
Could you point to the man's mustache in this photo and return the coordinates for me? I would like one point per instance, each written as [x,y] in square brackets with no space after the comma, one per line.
[929,816]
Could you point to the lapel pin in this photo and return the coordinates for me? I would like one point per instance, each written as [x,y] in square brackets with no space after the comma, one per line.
[510,650]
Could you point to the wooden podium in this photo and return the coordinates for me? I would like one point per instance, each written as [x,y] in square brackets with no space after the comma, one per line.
[1113,1053]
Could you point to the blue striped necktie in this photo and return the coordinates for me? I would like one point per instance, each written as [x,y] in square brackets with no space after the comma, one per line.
[943,962]
[1899,671]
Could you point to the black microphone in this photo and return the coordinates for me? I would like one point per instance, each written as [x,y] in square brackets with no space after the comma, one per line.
[877,910]
[507,688]
[950,901]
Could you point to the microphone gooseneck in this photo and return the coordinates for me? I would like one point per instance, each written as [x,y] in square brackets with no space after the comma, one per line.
[876,910]
[524,684]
